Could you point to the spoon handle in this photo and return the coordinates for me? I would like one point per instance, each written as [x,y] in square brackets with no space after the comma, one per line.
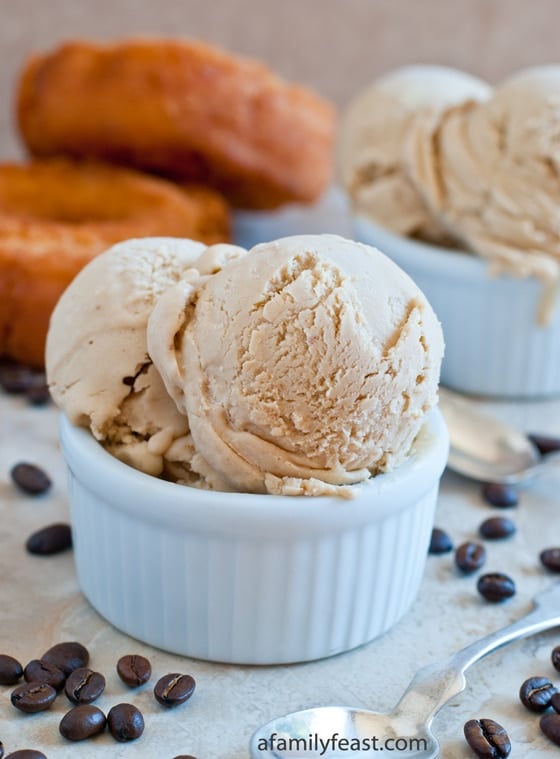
[434,685]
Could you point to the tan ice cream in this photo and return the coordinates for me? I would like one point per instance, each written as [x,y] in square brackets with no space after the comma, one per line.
[371,142]
[98,368]
[306,365]
[490,172]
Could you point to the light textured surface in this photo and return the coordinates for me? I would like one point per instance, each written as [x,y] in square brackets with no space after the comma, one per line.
[41,604]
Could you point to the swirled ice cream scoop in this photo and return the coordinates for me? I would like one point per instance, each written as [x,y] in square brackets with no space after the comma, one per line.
[305,365]
[98,367]
[371,141]
[491,173]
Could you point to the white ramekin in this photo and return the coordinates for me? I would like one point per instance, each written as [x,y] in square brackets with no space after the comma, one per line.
[248,578]
[494,345]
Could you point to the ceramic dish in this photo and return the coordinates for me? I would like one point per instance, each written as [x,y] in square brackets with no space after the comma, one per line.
[245,578]
[494,345]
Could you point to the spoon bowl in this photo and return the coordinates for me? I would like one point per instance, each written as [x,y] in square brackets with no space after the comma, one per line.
[485,449]
[338,732]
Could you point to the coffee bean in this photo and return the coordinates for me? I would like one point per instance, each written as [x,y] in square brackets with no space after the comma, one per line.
[84,685]
[30,478]
[184,756]
[555,702]
[545,443]
[536,693]
[49,540]
[555,657]
[1,749]
[440,542]
[39,394]
[134,670]
[33,697]
[487,738]
[550,558]
[67,656]
[16,378]
[26,753]
[174,689]
[496,528]
[470,556]
[81,722]
[550,726]
[495,587]
[10,670]
[125,722]
[500,495]
[38,671]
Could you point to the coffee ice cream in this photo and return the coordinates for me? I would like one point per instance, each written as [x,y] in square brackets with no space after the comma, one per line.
[303,367]
[98,367]
[490,173]
[372,136]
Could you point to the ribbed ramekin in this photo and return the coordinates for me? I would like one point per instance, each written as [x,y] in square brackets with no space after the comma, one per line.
[494,345]
[247,578]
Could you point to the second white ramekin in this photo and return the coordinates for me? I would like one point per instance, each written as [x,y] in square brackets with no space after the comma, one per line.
[494,345]
[248,578]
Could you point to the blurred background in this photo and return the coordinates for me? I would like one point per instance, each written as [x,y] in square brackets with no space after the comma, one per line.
[335,46]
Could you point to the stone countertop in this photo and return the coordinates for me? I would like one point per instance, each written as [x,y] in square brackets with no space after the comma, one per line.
[41,604]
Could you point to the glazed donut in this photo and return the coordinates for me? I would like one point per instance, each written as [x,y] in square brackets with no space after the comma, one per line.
[181,109]
[56,215]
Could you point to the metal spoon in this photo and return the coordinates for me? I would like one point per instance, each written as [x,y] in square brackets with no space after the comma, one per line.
[408,723]
[485,449]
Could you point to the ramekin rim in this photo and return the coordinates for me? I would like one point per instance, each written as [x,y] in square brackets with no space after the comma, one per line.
[422,470]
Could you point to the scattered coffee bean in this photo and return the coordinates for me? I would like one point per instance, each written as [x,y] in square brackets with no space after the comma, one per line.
[470,556]
[125,722]
[487,738]
[174,689]
[550,558]
[38,671]
[545,443]
[500,495]
[555,702]
[536,693]
[440,542]
[550,726]
[81,722]
[33,697]
[49,540]
[16,378]
[184,756]
[134,670]
[67,656]
[555,658]
[496,528]
[39,394]
[26,753]
[10,670]
[30,478]
[495,587]
[84,685]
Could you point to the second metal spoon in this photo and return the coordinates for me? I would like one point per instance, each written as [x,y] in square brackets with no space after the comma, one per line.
[484,448]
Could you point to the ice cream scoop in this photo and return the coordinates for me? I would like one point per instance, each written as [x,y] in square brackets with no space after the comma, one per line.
[371,142]
[490,171]
[98,367]
[306,365]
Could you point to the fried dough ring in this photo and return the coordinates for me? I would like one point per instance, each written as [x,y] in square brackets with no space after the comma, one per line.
[181,109]
[55,216]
